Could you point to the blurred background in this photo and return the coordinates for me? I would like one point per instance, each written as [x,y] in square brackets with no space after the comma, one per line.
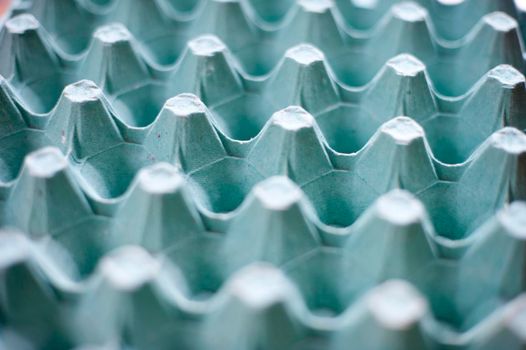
[3,5]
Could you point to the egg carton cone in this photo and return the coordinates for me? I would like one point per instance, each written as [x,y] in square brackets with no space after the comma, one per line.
[249,174]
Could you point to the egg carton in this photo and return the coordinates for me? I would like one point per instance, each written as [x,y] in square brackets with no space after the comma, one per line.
[144,301]
[164,27]
[450,19]
[242,104]
[291,143]
[157,176]
[332,268]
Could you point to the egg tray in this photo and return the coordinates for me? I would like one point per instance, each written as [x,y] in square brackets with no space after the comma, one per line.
[243,103]
[145,301]
[169,213]
[157,190]
[163,28]
[450,19]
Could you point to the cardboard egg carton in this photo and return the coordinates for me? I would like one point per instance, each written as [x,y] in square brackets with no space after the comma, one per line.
[332,267]
[139,300]
[242,104]
[163,29]
[262,175]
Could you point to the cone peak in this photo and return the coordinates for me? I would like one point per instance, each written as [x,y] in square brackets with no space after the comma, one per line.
[396,304]
[317,6]
[400,207]
[293,118]
[184,105]
[406,65]
[259,285]
[403,130]
[22,23]
[510,140]
[513,218]
[365,4]
[277,192]
[14,247]
[507,75]
[160,178]
[500,21]
[409,11]
[305,54]
[113,33]
[46,162]
[82,91]
[129,267]
[206,45]
[451,2]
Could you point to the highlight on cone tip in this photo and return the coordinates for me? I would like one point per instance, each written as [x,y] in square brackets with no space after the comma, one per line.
[185,105]
[316,6]
[14,247]
[259,285]
[113,33]
[160,178]
[400,207]
[396,304]
[128,267]
[46,162]
[521,4]
[500,21]
[365,4]
[507,75]
[277,192]
[206,45]
[406,65]
[510,140]
[22,23]
[305,54]
[82,91]
[293,118]
[409,11]
[513,218]
[403,129]
[451,2]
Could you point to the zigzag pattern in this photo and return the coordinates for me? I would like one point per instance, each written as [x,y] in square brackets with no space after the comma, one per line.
[160,296]
[353,18]
[243,105]
[290,143]
[268,170]
[495,40]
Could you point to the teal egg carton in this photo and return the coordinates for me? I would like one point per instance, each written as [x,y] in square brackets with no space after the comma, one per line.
[262,174]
